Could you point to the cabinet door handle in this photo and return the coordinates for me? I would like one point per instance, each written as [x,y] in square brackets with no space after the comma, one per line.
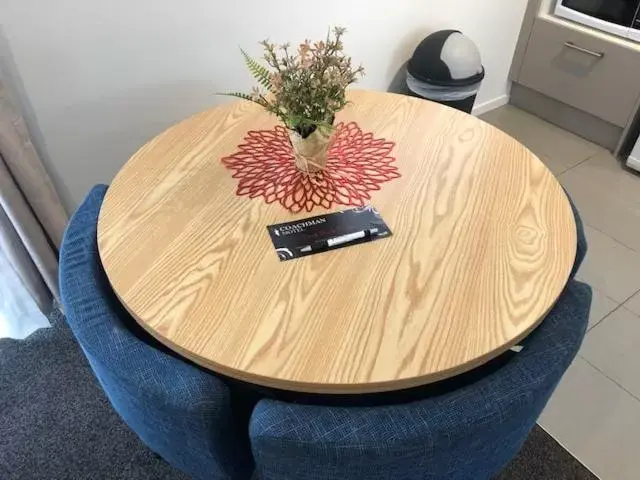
[584,50]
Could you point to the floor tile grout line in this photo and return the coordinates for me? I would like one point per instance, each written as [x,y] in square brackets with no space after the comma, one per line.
[559,174]
[629,298]
[574,455]
[608,236]
[599,322]
[621,305]
[579,163]
[603,318]
[607,376]
[586,222]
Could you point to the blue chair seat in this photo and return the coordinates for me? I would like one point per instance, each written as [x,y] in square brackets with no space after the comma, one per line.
[467,433]
[181,412]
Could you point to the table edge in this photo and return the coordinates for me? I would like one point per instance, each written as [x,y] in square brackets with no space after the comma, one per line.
[337,388]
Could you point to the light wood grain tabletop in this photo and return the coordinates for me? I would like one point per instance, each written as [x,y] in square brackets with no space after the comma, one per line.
[484,241]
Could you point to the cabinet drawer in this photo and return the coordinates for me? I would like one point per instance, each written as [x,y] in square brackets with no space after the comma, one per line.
[589,73]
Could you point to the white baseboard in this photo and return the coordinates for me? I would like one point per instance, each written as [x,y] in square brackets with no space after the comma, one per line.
[634,163]
[489,105]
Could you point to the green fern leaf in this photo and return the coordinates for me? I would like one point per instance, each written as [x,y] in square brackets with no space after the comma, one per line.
[241,95]
[260,101]
[259,72]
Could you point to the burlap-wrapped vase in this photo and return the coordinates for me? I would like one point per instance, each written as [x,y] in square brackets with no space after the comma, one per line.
[311,152]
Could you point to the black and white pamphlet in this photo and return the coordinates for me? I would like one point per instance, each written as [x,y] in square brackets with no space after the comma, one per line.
[327,232]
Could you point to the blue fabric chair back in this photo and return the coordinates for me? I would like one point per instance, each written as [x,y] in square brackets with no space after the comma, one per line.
[180,411]
[468,433]
[581,250]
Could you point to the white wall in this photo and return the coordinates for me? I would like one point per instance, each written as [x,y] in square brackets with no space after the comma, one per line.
[99,78]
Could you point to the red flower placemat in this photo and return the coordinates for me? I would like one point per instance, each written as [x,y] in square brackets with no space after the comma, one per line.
[357,164]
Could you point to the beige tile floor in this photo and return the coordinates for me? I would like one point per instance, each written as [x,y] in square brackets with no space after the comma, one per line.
[595,412]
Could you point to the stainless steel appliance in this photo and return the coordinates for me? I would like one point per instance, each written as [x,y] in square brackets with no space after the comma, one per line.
[619,17]
[633,161]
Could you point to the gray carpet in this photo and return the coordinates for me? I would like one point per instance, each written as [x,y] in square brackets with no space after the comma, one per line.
[55,422]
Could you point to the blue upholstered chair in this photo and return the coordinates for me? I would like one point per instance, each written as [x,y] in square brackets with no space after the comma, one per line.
[181,412]
[468,433]
[581,250]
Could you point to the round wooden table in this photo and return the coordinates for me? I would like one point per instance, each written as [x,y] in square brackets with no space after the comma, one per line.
[483,243]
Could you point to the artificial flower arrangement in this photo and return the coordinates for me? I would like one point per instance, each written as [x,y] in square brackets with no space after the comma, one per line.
[305,89]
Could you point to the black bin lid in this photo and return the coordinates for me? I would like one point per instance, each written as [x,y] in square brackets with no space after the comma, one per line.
[442,56]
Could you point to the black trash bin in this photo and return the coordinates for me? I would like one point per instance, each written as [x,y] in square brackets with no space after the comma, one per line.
[446,68]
